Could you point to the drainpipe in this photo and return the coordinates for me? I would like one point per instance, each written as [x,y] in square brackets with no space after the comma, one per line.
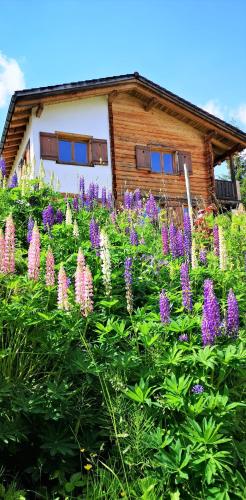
[187,185]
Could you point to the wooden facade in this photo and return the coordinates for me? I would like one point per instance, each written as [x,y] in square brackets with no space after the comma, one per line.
[141,114]
[132,126]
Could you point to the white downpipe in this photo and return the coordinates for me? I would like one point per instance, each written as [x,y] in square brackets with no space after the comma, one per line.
[187,185]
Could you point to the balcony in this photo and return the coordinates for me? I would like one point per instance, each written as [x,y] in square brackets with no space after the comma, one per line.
[225,190]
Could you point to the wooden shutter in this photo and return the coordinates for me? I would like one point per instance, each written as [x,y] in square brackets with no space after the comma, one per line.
[99,152]
[184,157]
[48,146]
[143,157]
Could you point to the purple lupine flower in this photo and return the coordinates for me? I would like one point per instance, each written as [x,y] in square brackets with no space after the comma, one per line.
[197,389]
[82,190]
[82,184]
[211,314]
[180,243]
[76,204]
[128,200]
[164,308]
[133,237]
[137,199]
[164,238]
[14,181]
[104,197]
[203,256]
[186,288]
[30,226]
[91,195]
[59,216]
[96,191]
[183,337]
[3,167]
[48,217]
[173,240]
[128,271]
[216,240]
[187,236]
[110,201]
[151,208]
[232,319]
[94,234]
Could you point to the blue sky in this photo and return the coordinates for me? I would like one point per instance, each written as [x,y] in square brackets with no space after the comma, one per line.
[195,48]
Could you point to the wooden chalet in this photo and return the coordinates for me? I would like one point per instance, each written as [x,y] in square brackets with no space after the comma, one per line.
[125,130]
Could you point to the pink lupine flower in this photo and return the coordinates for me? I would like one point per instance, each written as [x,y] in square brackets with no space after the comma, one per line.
[62,289]
[2,247]
[9,249]
[79,277]
[34,254]
[50,271]
[87,292]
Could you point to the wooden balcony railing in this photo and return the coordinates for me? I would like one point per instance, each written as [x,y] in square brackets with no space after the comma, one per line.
[225,190]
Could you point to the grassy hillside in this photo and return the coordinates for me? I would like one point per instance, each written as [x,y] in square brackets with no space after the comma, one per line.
[122,358]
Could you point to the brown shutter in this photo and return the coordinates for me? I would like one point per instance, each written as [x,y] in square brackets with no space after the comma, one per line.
[99,152]
[48,146]
[143,157]
[184,157]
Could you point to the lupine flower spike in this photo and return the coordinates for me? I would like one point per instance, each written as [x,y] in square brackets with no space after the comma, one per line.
[62,290]
[173,241]
[34,254]
[30,226]
[106,261]
[79,277]
[68,215]
[216,240]
[164,238]
[128,283]
[211,314]
[232,319]
[75,229]
[186,288]
[9,250]
[203,256]
[194,263]
[50,268]
[164,308]
[87,292]
[14,181]
[222,250]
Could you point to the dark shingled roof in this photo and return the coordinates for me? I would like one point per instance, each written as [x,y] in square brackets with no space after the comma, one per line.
[112,81]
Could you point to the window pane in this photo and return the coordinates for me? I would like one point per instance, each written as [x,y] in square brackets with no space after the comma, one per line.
[155,161]
[80,152]
[65,151]
[168,163]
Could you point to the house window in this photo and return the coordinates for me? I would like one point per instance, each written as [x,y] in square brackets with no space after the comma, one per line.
[73,149]
[73,152]
[162,162]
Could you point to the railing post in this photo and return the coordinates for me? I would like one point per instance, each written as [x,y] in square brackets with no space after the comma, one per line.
[233,176]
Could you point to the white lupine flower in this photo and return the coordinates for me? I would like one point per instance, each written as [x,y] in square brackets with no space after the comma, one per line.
[75,229]
[69,220]
[223,252]
[106,261]
[194,263]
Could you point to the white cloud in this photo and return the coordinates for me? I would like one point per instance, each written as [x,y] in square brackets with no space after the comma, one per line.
[11,78]
[240,114]
[213,107]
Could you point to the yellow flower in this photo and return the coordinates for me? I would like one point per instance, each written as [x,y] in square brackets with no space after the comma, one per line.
[82,450]
[88,467]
